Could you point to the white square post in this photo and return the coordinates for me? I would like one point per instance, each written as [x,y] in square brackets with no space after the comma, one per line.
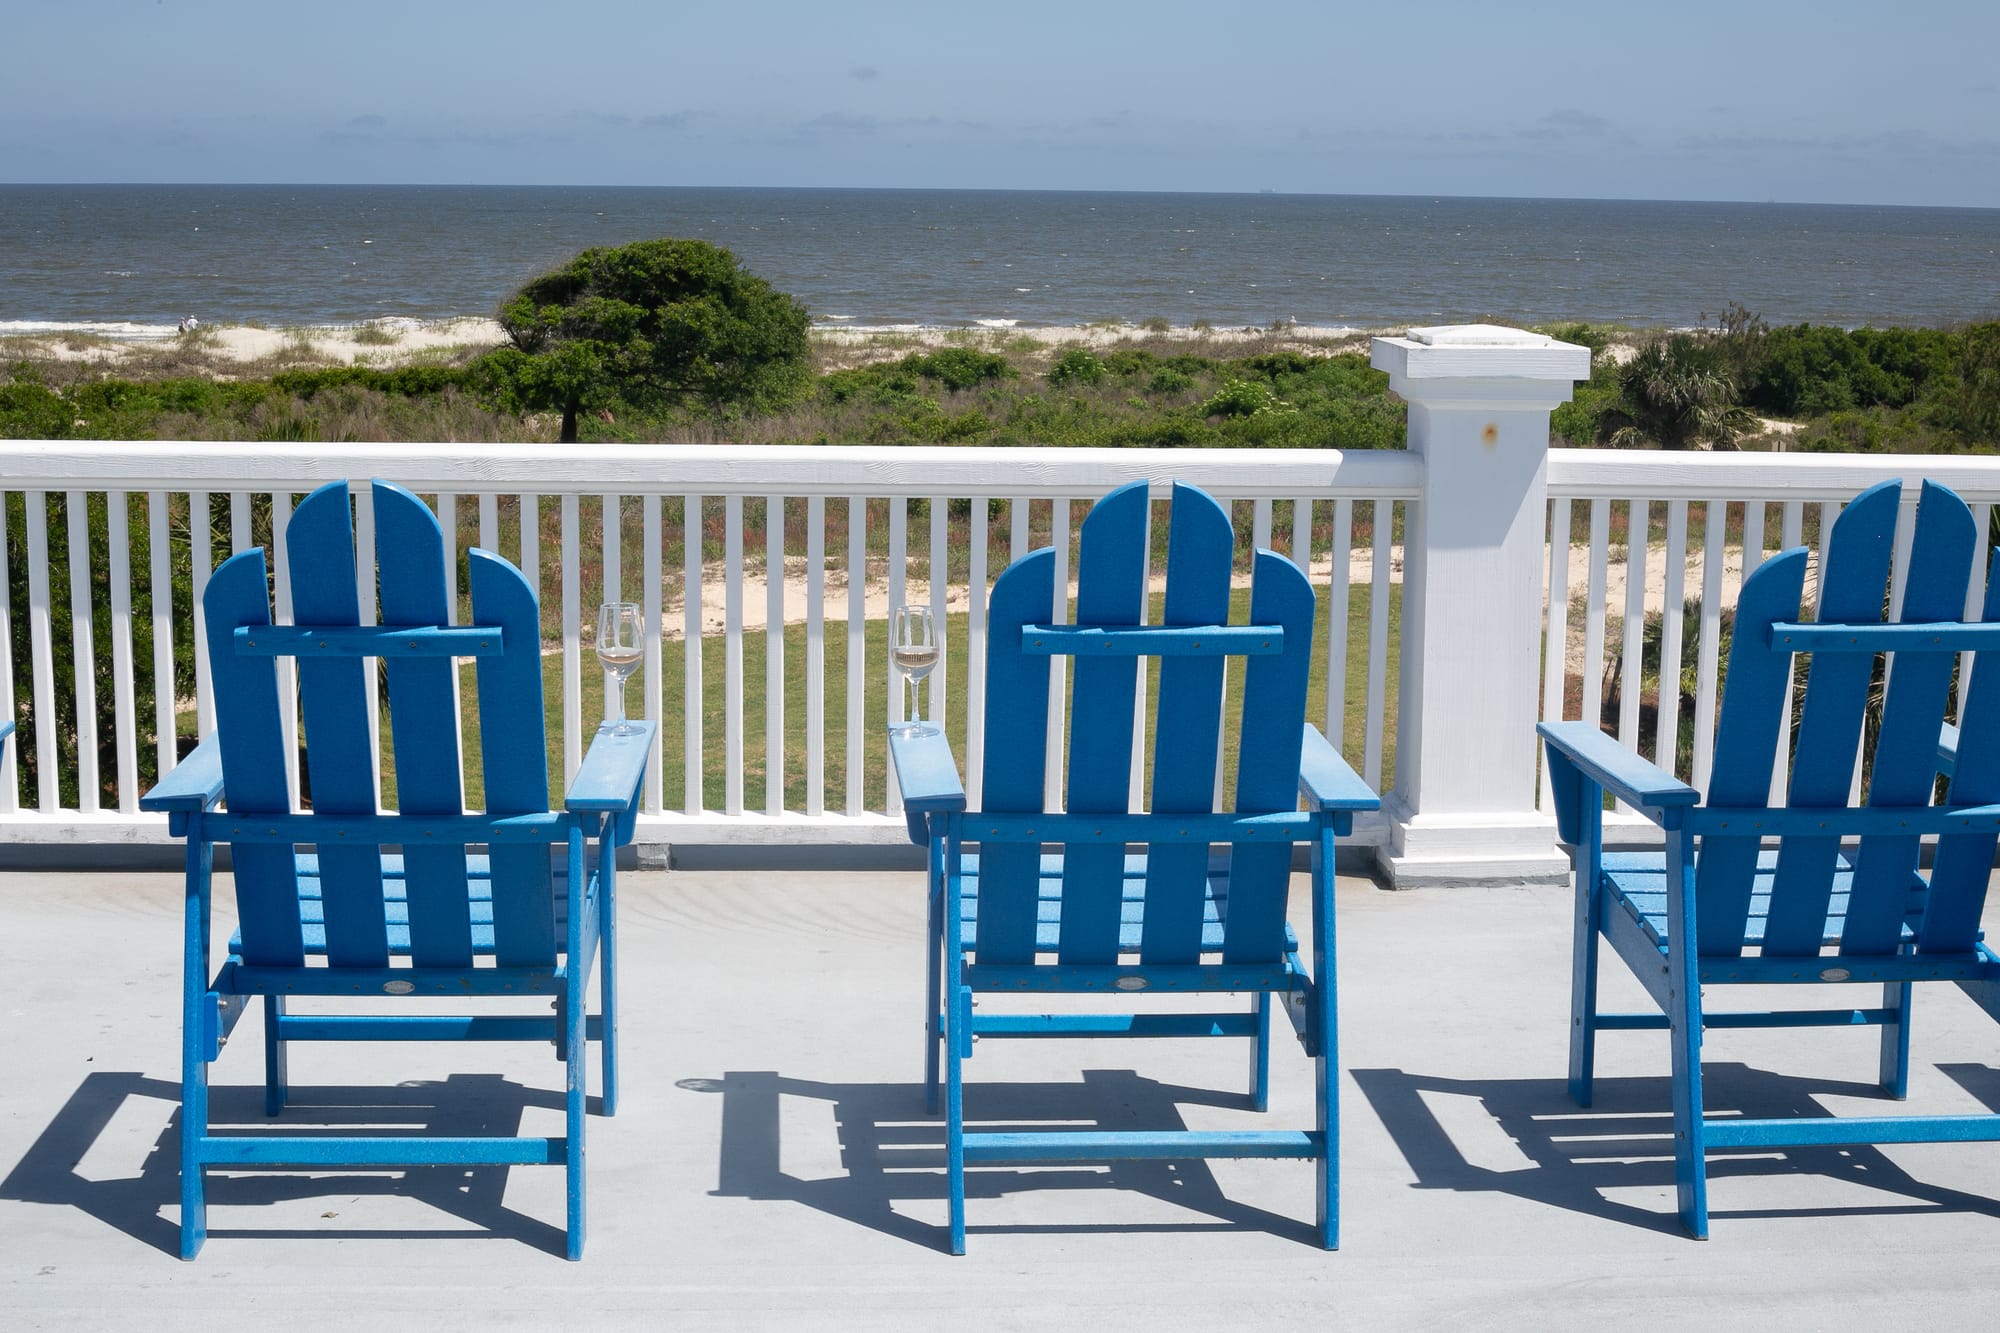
[1463,807]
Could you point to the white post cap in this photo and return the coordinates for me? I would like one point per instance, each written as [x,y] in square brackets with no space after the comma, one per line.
[1479,351]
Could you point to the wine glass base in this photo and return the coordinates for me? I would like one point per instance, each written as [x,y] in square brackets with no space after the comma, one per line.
[912,729]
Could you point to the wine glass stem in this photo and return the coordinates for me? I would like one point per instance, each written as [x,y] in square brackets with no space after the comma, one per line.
[615,709]
[916,703]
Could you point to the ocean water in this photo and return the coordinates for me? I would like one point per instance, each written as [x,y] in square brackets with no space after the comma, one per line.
[131,260]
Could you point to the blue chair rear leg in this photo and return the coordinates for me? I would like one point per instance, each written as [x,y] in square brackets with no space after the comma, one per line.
[1260,1056]
[277,1085]
[1894,1074]
[607,984]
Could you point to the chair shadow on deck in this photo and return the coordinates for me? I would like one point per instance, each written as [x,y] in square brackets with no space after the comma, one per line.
[1574,1158]
[890,1152]
[55,1169]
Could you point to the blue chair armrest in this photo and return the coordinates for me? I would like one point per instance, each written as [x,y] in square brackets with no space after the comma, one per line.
[1578,750]
[195,784]
[1947,759]
[1327,781]
[6,730]
[927,775]
[608,780]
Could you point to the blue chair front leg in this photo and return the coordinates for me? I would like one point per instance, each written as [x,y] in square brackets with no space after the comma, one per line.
[194,1040]
[1325,1027]
[1684,1020]
[575,1046]
[958,1045]
[1587,863]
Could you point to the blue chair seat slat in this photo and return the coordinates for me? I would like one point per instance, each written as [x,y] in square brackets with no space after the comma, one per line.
[1134,908]
[311,914]
[1639,881]
[477,866]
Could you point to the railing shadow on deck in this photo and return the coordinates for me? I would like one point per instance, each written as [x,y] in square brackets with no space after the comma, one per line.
[891,1151]
[49,1172]
[1575,1159]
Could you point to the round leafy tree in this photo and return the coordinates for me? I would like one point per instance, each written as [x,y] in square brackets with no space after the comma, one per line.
[651,323]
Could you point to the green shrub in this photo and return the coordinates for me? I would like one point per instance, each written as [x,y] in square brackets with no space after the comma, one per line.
[959,368]
[32,411]
[1808,370]
[1077,365]
[1244,398]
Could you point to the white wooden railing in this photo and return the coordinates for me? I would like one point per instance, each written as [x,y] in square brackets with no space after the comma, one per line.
[1515,597]
[483,490]
[1778,500]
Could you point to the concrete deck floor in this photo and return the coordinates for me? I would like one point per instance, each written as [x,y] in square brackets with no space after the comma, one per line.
[771,1165]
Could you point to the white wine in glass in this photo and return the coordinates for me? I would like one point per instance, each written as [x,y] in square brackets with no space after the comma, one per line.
[914,652]
[621,647]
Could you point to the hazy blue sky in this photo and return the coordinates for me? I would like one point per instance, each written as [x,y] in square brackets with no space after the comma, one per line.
[1835,101]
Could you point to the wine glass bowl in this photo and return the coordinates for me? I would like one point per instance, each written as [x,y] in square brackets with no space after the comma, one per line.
[621,647]
[914,651]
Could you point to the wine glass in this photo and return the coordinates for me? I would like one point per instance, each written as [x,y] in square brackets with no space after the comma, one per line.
[621,646]
[914,652]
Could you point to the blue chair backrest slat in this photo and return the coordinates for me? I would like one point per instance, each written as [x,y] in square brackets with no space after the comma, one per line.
[423,706]
[1267,775]
[1754,708]
[253,758]
[1111,591]
[1905,766]
[340,757]
[1199,548]
[1852,585]
[514,757]
[1963,863]
[1017,703]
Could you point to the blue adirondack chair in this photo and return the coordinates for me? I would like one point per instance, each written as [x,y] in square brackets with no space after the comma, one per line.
[1129,903]
[345,900]
[1814,891]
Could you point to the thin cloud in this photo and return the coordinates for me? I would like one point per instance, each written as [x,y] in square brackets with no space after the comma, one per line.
[864,73]
[1570,120]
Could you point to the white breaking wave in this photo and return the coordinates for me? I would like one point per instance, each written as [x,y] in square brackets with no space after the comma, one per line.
[996,323]
[96,328]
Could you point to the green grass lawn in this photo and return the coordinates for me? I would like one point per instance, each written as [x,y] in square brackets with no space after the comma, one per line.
[875,696]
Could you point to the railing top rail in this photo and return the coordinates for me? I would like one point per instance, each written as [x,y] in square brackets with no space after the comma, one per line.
[660,469]
[1617,474]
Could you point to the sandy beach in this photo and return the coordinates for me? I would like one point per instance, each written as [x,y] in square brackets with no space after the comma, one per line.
[234,349]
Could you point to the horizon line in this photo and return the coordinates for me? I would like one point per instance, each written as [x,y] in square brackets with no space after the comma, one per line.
[1436,196]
